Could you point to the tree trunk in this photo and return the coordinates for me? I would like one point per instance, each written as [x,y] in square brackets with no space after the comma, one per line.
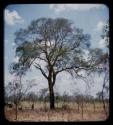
[104,106]
[82,108]
[52,102]
[94,105]
[78,107]
[51,96]
[51,83]
[16,111]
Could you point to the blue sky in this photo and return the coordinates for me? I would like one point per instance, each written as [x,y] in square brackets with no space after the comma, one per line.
[89,17]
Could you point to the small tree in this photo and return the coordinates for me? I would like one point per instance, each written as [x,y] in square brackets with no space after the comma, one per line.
[44,96]
[57,95]
[105,64]
[31,96]
[65,97]
[17,92]
[77,99]
[99,96]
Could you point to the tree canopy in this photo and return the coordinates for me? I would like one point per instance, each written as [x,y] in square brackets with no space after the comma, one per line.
[54,41]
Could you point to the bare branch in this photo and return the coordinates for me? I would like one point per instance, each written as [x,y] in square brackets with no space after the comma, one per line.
[42,71]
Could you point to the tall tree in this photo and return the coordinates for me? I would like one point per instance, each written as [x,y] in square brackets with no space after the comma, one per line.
[103,64]
[52,46]
[105,58]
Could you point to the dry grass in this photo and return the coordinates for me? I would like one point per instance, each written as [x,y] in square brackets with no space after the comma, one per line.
[70,113]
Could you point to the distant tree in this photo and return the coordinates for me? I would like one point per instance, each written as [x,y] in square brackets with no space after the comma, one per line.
[57,97]
[99,96]
[77,98]
[17,92]
[105,69]
[65,97]
[105,34]
[101,59]
[31,96]
[43,96]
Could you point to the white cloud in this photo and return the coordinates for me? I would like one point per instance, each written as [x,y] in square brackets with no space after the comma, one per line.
[7,41]
[78,7]
[13,44]
[99,44]
[16,59]
[12,17]
[100,26]
[32,67]
[86,54]
[102,43]
[98,83]
[8,77]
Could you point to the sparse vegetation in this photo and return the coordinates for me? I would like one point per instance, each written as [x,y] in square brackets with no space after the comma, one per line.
[67,112]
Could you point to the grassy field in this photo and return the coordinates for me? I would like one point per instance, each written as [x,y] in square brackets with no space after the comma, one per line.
[63,112]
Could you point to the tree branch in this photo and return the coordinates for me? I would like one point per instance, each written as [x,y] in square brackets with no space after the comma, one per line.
[41,58]
[42,71]
[63,69]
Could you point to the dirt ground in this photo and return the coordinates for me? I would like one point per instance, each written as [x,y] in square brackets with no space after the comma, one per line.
[69,112]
